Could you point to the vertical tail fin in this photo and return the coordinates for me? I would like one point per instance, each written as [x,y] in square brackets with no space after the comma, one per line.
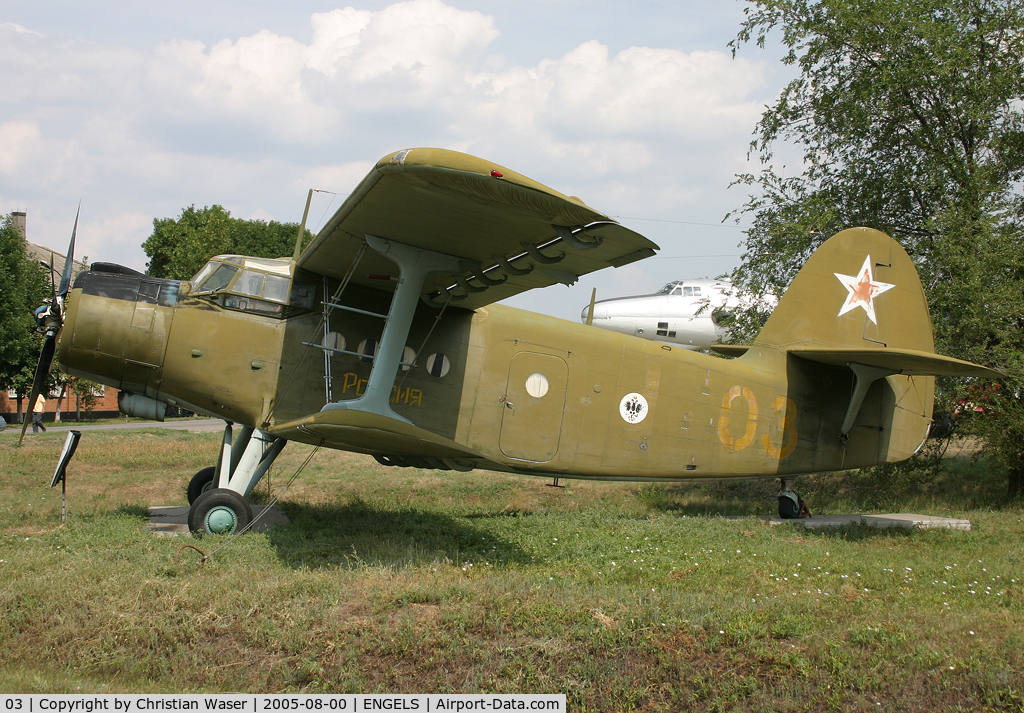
[859,290]
[849,321]
[856,337]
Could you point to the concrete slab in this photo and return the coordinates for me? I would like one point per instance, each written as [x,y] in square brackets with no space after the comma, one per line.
[172,521]
[900,519]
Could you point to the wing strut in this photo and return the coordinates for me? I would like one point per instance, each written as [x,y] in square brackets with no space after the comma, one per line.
[414,265]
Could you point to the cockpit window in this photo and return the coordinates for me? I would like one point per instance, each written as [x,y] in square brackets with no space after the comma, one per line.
[671,288]
[219,279]
[722,316]
[249,282]
[687,292]
[247,304]
[204,273]
[276,289]
[256,285]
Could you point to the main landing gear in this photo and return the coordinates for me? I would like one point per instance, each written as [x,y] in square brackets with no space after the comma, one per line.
[217,495]
[791,505]
[219,511]
[201,482]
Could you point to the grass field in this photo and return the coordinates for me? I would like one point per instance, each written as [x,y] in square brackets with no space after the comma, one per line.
[622,596]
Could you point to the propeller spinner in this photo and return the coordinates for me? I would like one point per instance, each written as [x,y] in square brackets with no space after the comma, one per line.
[51,320]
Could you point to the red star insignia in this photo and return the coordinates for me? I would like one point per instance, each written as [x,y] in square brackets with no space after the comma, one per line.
[862,290]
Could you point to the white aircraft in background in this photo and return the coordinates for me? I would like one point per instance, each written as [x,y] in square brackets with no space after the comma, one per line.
[690,313]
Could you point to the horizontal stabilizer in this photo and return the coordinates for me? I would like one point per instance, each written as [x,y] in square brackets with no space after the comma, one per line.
[908,362]
[730,350]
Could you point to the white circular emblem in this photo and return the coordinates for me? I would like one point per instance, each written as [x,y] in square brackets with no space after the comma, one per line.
[537,385]
[633,408]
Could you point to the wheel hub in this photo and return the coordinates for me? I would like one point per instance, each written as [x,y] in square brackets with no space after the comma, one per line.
[221,520]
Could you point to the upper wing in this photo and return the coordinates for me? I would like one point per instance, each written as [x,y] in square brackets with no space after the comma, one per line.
[520,233]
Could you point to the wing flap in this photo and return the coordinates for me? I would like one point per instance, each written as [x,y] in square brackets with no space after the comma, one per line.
[463,206]
[903,361]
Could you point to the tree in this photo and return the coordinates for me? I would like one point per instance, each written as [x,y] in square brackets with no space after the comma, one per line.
[180,246]
[907,118]
[85,395]
[25,287]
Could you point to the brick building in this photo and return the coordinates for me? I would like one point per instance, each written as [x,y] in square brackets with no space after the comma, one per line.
[104,406]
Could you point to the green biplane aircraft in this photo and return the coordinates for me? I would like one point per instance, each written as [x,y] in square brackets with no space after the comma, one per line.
[383,337]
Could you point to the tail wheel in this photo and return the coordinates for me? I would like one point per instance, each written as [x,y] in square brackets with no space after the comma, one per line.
[218,512]
[200,483]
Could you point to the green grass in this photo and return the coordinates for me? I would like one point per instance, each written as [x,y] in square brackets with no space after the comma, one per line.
[622,596]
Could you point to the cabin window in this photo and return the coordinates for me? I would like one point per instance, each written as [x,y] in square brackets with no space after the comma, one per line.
[438,365]
[408,358]
[334,340]
[696,292]
[537,385]
[687,292]
[369,348]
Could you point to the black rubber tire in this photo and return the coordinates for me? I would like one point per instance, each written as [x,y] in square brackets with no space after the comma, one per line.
[788,510]
[200,483]
[220,512]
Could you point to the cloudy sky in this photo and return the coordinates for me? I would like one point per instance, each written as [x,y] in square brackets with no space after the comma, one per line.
[141,108]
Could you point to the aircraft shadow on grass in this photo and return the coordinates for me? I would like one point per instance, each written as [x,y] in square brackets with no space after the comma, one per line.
[360,533]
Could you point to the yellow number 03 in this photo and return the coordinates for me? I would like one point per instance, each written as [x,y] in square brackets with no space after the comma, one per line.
[782,403]
[738,444]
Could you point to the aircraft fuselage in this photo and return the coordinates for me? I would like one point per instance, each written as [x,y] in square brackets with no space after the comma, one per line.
[502,388]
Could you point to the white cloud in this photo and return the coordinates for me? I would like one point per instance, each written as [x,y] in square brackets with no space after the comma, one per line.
[335,37]
[18,28]
[251,122]
[19,140]
[425,37]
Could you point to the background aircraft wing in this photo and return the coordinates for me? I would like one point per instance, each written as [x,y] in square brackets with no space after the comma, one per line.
[520,233]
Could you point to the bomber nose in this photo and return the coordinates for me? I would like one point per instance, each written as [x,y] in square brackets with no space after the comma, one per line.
[600,312]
